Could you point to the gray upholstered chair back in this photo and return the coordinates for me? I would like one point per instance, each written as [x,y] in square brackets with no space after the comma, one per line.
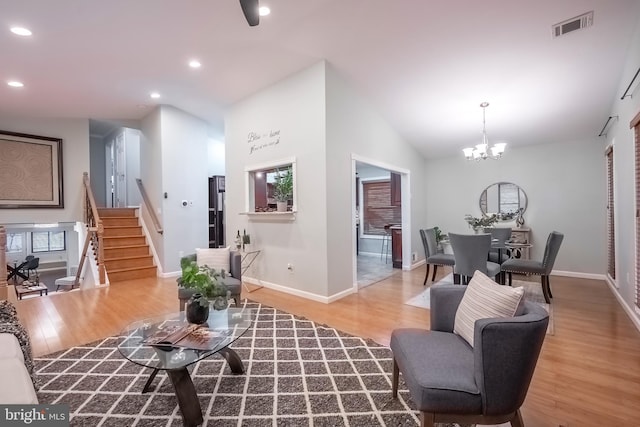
[471,252]
[502,234]
[430,241]
[551,251]
[506,351]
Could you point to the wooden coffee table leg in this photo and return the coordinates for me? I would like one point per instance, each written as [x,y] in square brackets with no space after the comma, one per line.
[187,397]
[234,361]
[147,385]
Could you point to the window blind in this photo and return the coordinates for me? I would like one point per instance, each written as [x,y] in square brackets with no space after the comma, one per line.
[377,209]
[635,124]
[611,243]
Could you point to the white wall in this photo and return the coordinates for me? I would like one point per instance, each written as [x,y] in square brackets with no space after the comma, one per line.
[151,174]
[75,160]
[622,138]
[98,176]
[132,152]
[216,150]
[184,177]
[355,128]
[565,187]
[296,107]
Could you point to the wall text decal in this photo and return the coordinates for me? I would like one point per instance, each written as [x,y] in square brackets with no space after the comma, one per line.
[259,141]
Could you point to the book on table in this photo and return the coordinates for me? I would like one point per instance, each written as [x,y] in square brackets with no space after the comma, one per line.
[195,337]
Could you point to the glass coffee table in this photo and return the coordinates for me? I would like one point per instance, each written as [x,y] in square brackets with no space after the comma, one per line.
[169,343]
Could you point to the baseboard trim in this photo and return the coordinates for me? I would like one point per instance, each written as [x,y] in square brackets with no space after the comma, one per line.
[297,292]
[578,275]
[635,318]
[417,264]
[169,274]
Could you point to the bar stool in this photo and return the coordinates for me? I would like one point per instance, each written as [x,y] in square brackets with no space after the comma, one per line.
[386,240]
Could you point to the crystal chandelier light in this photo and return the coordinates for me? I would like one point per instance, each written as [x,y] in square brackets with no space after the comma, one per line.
[482,150]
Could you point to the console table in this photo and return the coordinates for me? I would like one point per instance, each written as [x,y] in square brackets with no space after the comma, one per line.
[522,235]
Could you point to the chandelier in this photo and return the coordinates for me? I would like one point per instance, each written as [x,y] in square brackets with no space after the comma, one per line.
[482,150]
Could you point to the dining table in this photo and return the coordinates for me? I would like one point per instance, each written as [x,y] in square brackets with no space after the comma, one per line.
[15,271]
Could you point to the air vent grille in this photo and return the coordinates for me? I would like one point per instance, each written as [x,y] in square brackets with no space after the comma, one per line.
[579,22]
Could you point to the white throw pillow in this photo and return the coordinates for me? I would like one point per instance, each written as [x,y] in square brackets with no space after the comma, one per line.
[484,299]
[217,258]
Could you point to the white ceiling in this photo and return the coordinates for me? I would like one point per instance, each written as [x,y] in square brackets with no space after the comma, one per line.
[425,65]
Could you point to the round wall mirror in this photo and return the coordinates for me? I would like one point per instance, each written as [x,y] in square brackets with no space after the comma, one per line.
[503,199]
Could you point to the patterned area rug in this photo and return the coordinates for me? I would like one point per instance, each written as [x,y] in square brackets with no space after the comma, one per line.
[532,292]
[298,373]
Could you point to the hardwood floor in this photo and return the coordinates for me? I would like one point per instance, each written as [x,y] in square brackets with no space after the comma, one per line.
[588,373]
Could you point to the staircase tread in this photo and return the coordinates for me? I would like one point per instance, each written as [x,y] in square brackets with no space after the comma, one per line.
[120,270]
[127,247]
[128,257]
[123,226]
[123,237]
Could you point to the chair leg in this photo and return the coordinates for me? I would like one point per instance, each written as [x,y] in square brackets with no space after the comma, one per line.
[427,419]
[510,279]
[456,279]
[426,276]
[394,379]
[517,421]
[549,287]
[545,289]
[435,268]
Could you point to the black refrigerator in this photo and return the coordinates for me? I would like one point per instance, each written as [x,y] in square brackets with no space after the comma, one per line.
[216,211]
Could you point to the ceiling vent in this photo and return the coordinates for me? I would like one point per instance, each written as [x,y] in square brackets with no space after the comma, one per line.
[573,24]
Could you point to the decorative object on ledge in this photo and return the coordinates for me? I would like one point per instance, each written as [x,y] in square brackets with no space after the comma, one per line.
[480,223]
[481,151]
[246,240]
[520,218]
[283,188]
[627,92]
[602,132]
[32,171]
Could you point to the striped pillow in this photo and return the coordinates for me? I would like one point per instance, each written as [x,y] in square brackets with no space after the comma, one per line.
[483,299]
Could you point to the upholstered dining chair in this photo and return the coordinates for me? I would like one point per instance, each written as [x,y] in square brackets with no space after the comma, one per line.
[451,381]
[498,235]
[431,254]
[525,266]
[471,252]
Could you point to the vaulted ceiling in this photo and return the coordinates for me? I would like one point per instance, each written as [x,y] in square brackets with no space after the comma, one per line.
[425,65]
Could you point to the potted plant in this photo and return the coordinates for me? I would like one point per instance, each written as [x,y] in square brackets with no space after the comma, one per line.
[209,287]
[246,240]
[283,188]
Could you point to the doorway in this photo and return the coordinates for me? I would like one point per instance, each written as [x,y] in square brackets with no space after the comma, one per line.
[380,217]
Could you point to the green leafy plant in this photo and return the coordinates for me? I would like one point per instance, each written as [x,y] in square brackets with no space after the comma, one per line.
[440,236]
[283,185]
[206,281]
[483,221]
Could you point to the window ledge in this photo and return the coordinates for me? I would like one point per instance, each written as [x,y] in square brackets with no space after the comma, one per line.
[267,216]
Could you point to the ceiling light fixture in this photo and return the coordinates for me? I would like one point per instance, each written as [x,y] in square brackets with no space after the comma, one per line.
[15,83]
[481,151]
[21,31]
[264,11]
[154,95]
[194,63]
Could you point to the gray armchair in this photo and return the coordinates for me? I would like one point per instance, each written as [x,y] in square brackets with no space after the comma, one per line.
[450,381]
[526,266]
[233,281]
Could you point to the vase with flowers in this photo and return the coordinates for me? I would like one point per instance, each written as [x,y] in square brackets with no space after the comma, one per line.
[209,287]
[477,224]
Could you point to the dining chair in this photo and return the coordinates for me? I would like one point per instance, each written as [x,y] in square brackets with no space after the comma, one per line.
[499,235]
[431,254]
[526,266]
[471,252]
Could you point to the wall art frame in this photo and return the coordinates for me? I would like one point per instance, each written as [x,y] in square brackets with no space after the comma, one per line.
[30,171]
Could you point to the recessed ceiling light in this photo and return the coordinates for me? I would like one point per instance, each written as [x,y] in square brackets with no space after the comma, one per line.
[15,83]
[194,63]
[155,95]
[264,11]
[21,31]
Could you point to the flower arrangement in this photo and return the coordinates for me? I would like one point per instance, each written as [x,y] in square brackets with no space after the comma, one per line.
[484,221]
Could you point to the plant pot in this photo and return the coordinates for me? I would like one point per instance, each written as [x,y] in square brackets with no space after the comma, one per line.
[196,313]
[281,206]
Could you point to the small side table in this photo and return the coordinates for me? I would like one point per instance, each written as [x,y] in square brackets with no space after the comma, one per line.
[25,290]
[248,259]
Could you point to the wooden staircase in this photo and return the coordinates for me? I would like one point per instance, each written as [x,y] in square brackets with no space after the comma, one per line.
[126,252]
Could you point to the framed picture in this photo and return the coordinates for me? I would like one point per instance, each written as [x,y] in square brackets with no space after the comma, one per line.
[30,171]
